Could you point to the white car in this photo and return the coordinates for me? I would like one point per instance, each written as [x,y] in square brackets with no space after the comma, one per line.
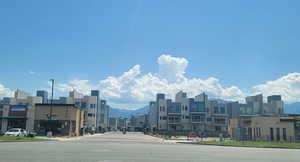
[16,132]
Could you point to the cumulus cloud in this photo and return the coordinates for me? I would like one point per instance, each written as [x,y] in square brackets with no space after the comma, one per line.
[172,68]
[133,89]
[287,86]
[5,92]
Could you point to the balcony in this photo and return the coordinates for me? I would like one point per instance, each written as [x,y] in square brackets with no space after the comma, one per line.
[198,119]
[219,114]
[197,112]
[174,119]
[220,122]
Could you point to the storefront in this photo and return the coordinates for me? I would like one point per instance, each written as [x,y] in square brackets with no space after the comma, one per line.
[67,120]
[13,116]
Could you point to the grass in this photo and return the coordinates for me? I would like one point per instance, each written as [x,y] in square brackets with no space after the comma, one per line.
[253,144]
[6,138]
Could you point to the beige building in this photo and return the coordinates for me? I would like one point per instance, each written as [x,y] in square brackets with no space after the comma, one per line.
[66,119]
[262,128]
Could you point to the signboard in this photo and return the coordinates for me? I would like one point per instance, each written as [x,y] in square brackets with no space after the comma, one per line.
[17,108]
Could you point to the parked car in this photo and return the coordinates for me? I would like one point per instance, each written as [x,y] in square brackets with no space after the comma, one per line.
[16,132]
[31,133]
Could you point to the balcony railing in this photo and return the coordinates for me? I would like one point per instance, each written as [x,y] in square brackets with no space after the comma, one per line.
[198,120]
[174,121]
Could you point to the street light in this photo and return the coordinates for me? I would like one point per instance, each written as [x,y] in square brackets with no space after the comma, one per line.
[51,106]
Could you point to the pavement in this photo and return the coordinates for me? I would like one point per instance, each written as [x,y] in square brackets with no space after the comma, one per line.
[135,147]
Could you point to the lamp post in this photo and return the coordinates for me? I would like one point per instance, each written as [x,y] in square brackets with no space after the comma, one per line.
[49,133]
[51,104]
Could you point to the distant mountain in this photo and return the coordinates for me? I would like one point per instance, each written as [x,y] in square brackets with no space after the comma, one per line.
[293,108]
[117,112]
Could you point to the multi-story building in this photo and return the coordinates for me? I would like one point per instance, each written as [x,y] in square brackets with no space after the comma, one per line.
[153,116]
[43,94]
[18,111]
[137,122]
[206,116]
[96,111]
[103,116]
[89,104]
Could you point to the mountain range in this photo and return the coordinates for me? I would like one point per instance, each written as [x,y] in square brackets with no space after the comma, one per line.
[124,113]
[293,108]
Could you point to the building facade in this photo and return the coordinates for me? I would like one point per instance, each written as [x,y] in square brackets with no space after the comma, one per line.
[201,115]
[262,128]
[67,119]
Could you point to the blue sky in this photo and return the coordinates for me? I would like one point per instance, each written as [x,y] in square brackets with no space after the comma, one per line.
[241,43]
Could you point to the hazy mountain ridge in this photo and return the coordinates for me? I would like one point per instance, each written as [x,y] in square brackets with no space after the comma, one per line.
[117,112]
[293,108]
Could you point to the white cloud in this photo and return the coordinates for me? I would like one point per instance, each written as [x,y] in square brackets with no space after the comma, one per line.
[5,92]
[31,72]
[287,86]
[172,68]
[133,89]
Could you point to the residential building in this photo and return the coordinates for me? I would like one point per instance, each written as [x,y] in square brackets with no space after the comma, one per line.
[113,124]
[103,116]
[153,116]
[256,103]
[43,94]
[138,122]
[201,115]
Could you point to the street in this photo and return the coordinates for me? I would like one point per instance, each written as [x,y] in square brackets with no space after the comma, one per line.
[135,147]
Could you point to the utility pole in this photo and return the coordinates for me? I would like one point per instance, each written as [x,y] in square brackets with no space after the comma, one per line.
[51,104]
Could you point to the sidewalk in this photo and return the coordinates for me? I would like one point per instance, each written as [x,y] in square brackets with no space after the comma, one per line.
[183,139]
[66,138]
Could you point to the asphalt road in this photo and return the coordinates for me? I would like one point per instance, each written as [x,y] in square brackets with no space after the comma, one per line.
[136,147]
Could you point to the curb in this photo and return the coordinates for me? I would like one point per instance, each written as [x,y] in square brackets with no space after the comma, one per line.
[4,141]
[236,146]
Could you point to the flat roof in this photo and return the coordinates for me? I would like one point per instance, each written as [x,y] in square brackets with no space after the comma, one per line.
[70,105]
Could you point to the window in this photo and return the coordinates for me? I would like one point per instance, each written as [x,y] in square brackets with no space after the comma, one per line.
[187,117]
[209,119]
[222,109]
[278,134]
[218,129]
[271,134]
[284,134]
[220,121]
[216,110]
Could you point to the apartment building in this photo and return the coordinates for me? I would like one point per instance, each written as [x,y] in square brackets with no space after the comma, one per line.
[92,107]
[43,94]
[103,116]
[205,116]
